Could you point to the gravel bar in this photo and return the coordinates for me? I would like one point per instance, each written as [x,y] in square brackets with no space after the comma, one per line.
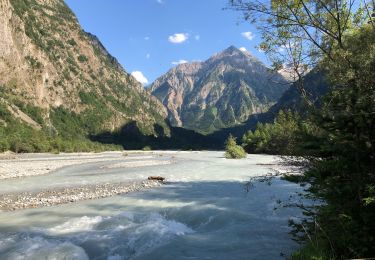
[47,198]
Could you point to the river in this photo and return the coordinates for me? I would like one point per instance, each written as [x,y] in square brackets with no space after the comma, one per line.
[203,212]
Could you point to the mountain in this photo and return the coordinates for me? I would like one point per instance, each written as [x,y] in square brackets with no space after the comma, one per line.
[57,77]
[220,92]
[315,85]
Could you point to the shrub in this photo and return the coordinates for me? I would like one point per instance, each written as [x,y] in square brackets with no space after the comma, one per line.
[72,42]
[147,148]
[82,58]
[232,150]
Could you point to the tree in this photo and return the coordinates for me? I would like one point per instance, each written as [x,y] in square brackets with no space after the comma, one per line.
[339,38]
[298,34]
[281,137]
[232,150]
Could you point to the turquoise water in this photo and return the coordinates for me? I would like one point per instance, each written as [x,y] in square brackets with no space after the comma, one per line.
[204,212]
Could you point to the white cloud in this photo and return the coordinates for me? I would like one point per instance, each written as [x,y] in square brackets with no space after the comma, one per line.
[138,75]
[147,38]
[179,62]
[178,37]
[197,37]
[243,49]
[248,35]
[148,55]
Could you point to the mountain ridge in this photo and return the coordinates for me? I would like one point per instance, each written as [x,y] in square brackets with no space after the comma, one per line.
[59,86]
[48,62]
[222,91]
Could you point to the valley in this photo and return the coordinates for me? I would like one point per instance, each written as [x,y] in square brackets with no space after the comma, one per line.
[162,129]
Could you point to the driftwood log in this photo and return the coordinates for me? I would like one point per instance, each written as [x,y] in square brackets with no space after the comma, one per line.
[156,178]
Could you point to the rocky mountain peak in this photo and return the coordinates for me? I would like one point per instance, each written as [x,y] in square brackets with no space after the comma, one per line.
[220,92]
[233,54]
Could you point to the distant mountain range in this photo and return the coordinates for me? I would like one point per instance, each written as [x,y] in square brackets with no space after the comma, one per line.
[220,92]
[59,81]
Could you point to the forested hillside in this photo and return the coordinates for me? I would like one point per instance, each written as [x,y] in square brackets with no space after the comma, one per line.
[59,85]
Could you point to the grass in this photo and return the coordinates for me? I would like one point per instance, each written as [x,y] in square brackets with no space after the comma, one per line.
[311,252]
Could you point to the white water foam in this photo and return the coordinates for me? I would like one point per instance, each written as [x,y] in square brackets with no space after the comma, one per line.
[122,236]
[76,225]
[38,247]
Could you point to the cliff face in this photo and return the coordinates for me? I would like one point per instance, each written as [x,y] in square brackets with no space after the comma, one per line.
[47,61]
[220,92]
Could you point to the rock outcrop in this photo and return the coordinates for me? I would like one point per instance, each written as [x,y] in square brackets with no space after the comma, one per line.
[47,61]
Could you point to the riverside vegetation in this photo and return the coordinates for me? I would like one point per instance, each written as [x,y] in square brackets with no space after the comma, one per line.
[233,150]
[335,139]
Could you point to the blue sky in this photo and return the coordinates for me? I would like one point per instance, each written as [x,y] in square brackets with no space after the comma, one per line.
[151,36]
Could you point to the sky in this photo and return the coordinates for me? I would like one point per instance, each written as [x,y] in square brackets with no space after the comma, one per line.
[149,37]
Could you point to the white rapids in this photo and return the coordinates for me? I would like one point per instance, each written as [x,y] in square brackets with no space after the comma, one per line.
[203,212]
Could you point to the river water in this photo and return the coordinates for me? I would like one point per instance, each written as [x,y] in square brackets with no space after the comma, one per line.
[204,212]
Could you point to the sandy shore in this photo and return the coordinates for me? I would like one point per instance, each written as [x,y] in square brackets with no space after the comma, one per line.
[24,200]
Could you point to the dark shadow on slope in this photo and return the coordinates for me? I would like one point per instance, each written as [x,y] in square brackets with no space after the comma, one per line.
[316,87]
[131,137]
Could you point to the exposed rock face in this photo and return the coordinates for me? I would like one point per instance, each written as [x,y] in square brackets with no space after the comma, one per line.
[48,61]
[220,92]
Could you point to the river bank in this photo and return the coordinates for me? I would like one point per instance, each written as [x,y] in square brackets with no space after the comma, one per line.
[47,198]
[20,166]
[23,165]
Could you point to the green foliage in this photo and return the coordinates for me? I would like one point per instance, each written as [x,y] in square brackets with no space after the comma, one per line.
[232,150]
[34,112]
[147,148]
[72,42]
[311,251]
[82,58]
[338,139]
[343,176]
[283,137]
[341,150]
[21,138]
[34,63]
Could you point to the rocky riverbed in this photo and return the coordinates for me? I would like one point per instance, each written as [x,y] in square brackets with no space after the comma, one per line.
[9,202]
[20,169]
[24,165]
[205,206]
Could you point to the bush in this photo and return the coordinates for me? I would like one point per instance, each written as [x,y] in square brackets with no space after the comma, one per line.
[232,150]
[285,136]
[146,148]
[82,58]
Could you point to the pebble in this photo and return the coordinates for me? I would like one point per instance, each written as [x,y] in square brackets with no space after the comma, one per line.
[11,202]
